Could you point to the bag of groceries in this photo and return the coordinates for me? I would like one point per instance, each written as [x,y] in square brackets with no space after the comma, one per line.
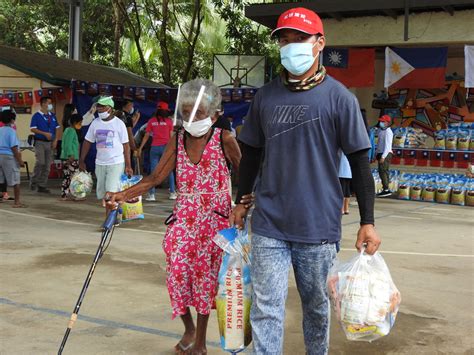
[233,298]
[81,184]
[364,297]
[132,209]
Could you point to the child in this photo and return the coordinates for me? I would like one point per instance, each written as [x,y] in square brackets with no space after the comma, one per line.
[113,152]
[200,155]
[345,177]
[70,153]
[10,156]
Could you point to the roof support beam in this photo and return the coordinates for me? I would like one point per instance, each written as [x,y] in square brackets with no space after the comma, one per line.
[449,9]
[407,17]
[392,13]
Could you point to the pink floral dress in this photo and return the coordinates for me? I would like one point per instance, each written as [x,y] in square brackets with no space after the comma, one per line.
[202,209]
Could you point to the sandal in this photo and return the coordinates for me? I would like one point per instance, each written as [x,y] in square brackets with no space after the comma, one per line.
[182,349]
[20,205]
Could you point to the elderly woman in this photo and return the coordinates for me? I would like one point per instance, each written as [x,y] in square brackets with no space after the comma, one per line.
[200,154]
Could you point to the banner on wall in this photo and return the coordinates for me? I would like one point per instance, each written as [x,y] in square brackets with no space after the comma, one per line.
[415,68]
[354,67]
[469,66]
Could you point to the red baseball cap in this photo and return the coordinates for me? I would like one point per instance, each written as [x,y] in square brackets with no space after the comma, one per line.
[5,102]
[162,106]
[385,118]
[300,19]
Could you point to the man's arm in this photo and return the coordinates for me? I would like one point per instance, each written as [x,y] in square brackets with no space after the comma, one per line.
[126,154]
[131,140]
[388,143]
[363,184]
[37,131]
[56,136]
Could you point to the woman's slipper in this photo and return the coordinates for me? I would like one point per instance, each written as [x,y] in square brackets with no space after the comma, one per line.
[183,349]
[346,212]
[9,198]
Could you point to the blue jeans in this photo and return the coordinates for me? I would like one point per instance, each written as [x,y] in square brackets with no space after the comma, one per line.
[271,259]
[155,155]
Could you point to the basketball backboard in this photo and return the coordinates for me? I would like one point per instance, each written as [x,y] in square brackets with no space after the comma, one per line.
[239,71]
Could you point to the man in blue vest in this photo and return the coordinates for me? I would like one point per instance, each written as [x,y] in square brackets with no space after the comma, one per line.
[45,127]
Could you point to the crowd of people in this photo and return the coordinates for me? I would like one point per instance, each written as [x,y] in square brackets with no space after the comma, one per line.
[303,151]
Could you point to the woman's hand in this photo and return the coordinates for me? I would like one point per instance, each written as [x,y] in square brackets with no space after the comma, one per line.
[113,199]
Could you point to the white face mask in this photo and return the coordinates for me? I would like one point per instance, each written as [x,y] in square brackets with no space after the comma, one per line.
[50,107]
[104,115]
[198,128]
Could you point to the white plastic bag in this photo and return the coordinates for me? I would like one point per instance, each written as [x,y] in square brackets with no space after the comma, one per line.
[233,299]
[81,184]
[364,297]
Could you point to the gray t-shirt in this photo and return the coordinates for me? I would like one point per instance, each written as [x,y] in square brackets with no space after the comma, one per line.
[298,194]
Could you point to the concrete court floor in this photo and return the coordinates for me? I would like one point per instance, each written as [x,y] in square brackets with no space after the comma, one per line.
[46,251]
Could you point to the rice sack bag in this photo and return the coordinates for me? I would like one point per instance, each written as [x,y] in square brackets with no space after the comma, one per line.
[429,189]
[452,140]
[470,193]
[463,140]
[404,186]
[132,209]
[234,296]
[440,140]
[471,143]
[443,191]
[458,192]
[81,184]
[416,189]
[399,137]
[364,297]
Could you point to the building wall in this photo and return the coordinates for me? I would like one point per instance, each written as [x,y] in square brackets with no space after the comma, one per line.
[425,28]
[11,79]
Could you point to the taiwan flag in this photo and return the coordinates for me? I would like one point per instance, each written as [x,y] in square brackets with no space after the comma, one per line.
[415,68]
[354,67]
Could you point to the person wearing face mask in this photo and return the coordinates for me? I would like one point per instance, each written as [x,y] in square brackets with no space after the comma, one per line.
[384,154]
[110,136]
[46,129]
[70,154]
[160,127]
[298,123]
[132,116]
[200,154]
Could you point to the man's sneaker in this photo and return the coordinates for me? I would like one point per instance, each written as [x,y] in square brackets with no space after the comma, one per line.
[384,193]
[150,197]
[33,187]
[173,196]
[43,190]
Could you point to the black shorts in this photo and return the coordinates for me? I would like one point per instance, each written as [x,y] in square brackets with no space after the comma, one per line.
[346,187]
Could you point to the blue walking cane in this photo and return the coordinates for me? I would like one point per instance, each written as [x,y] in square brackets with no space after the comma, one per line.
[108,230]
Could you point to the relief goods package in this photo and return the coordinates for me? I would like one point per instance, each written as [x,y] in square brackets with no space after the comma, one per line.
[81,184]
[234,296]
[364,297]
[132,209]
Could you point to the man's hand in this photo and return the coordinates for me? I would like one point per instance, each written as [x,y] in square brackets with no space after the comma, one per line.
[21,163]
[368,235]
[137,153]
[113,200]
[55,144]
[248,200]
[82,166]
[381,160]
[47,135]
[129,171]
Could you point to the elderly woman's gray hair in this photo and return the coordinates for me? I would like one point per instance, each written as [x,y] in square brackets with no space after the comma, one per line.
[211,100]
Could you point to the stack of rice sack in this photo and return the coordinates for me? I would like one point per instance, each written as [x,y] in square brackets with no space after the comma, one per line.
[459,136]
[408,137]
[440,188]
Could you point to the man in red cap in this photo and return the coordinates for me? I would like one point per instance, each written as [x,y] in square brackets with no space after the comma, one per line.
[160,127]
[384,154]
[300,121]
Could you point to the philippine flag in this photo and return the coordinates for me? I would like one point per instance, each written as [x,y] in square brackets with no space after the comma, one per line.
[415,68]
[354,67]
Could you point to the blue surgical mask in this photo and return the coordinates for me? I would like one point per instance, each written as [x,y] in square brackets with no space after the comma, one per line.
[382,125]
[297,58]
